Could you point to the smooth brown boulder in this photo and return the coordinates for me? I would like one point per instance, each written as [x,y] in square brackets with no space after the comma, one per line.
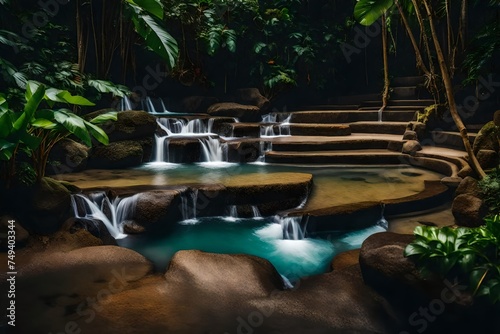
[410,135]
[155,206]
[469,186]
[488,158]
[469,211]
[252,96]
[244,113]
[345,259]
[411,147]
[487,138]
[70,155]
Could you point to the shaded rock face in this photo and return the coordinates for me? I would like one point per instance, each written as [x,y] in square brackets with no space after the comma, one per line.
[469,211]
[122,154]
[93,226]
[70,155]
[49,205]
[252,96]
[245,113]
[410,135]
[469,186]
[488,158]
[487,138]
[131,140]
[154,206]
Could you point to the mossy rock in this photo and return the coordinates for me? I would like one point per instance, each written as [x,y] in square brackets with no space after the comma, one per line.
[488,138]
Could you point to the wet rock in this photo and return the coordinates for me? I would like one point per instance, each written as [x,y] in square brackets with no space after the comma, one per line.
[122,154]
[69,155]
[93,226]
[244,113]
[130,124]
[469,211]
[252,96]
[410,135]
[345,259]
[155,206]
[411,147]
[131,227]
[469,186]
[488,159]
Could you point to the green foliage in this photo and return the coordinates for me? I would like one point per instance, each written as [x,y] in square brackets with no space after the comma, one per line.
[36,130]
[433,112]
[470,254]
[490,188]
[367,12]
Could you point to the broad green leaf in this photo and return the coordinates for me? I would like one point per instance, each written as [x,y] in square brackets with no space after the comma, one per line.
[6,149]
[367,12]
[157,38]
[97,133]
[74,99]
[103,86]
[43,123]
[74,124]
[52,94]
[29,140]
[153,7]
[6,119]
[29,109]
[109,116]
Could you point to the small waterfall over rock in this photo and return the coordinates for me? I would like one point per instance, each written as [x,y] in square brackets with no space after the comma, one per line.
[263,148]
[256,212]
[179,126]
[232,214]
[213,150]
[291,227]
[98,206]
[188,207]
[382,222]
[125,104]
[278,128]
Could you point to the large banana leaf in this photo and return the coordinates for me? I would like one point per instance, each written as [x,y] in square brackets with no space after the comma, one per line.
[367,12]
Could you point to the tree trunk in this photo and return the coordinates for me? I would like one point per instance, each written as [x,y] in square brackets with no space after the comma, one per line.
[445,72]
[385,94]
[418,54]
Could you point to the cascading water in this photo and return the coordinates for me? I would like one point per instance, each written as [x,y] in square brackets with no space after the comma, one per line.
[95,206]
[188,207]
[161,152]
[275,130]
[150,107]
[256,212]
[291,227]
[213,150]
[382,222]
[125,104]
[163,108]
[233,214]
[263,148]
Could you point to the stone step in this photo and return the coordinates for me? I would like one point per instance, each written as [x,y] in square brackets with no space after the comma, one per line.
[407,81]
[396,128]
[338,145]
[354,99]
[353,157]
[451,139]
[319,129]
[408,92]
[349,116]
[418,103]
[395,108]
[328,107]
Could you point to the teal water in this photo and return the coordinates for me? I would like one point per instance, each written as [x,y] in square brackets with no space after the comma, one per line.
[294,259]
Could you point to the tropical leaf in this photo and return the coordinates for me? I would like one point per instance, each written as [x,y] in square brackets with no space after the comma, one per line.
[153,7]
[74,124]
[104,86]
[367,12]
[109,116]
[74,99]
[97,133]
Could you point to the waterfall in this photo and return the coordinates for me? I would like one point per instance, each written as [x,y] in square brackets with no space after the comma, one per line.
[263,148]
[380,115]
[125,104]
[213,150]
[174,126]
[163,108]
[95,206]
[150,106]
[291,227]
[188,207]
[273,130]
[256,212]
[233,214]
[161,152]
[382,222]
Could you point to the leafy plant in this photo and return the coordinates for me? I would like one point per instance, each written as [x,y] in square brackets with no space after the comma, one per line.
[490,188]
[470,254]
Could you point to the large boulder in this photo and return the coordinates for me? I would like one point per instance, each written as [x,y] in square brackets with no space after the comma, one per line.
[487,138]
[469,210]
[411,147]
[252,96]
[48,206]
[130,124]
[153,207]
[93,226]
[121,154]
[244,113]
[470,186]
[70,155]
[488,159]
